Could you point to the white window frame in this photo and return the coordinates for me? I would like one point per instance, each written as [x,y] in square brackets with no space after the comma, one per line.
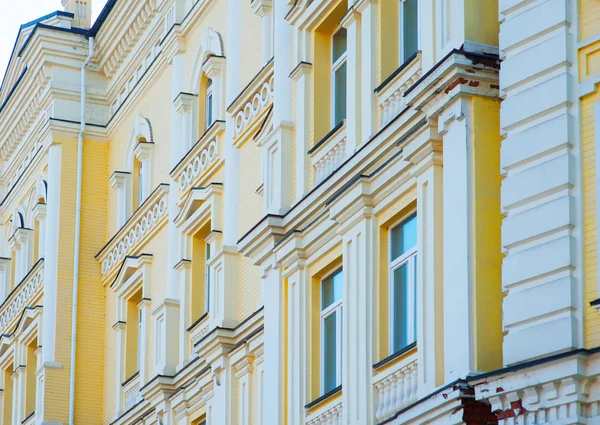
[410,258]
[140,343]
[208,112]
[207,278]
[401,57]
[337,308]
[341,61]
[141,189]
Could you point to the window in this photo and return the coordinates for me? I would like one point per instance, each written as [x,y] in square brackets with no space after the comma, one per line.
[207,280]
[209,103]
[140,188]
[338,77]
[331,331]
[409,29]
[403,278]
[140,334]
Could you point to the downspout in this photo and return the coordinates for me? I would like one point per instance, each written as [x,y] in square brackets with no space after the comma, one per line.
[78,233]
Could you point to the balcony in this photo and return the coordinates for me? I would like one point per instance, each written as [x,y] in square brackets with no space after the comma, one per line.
[22,296]
[390,94]
[139,228]
[326,414]
[396,387]
[204,157]
[329,153]
[131,391]
[253,101]
[29,420]
[199,329]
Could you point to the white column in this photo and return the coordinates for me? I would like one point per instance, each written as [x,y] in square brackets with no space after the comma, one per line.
[298,317]
[224,397]
[19,386]
[232,156]
[301,76]
[184,104]
[120,182]
[144,306]
[273,401]
[184,270]
[51,249]
[119,329]
[39,212]
[354,82]
[41,379]
[368,53]
[358,336]
[244,376]
[214,68]
[430,320]
[264,9]
[4,278]
[458,247]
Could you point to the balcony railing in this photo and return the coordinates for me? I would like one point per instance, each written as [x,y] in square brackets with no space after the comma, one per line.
[29,420]
[201,158]
[131,390]
[199,329]
[328,414]
[254,100]
[396,387]
[390,93]
[22,296]
[139,227]
[329,153]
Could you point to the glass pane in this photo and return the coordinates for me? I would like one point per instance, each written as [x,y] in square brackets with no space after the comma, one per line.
[339,99]
[331,289]
[339,44]
[329,353]
[401,308]
[410,26]
[209,110]
[404,236]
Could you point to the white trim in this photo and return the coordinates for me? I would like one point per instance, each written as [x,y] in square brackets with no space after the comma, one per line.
[334,308]
[410,259]
[208,101]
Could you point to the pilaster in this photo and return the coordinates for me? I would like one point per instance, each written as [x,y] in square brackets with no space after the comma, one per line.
[184,270]
[39,214]
[301,76]
[184,104]
[214,68]
[352,23]
[121,183]
[368,71]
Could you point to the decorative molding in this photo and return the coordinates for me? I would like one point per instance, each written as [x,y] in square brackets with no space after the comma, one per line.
[199,159]
[141,224]
[396,388]
[22,295]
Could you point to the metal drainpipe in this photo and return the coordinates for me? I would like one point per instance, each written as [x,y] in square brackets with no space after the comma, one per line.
[78,233]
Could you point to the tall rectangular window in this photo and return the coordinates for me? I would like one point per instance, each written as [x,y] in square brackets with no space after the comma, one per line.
[209,103]
[207,280]
[338,76]
[409,29]
[140,343]
[331,331]
[403,282]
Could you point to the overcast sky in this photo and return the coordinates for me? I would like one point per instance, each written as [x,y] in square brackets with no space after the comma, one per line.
[22,11]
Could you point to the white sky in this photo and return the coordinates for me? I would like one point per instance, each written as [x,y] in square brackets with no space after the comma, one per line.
[18,12]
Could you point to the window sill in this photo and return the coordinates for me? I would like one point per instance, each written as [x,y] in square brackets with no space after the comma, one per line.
[391,358]
[323,398]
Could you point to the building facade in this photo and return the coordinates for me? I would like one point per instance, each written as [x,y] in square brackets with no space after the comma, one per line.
[301,212]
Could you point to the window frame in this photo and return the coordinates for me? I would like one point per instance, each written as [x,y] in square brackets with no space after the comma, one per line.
[140,335]
[208,101]
[410,259]
[401,54]
[141,190]
[335,67]
[207,256]
[336,307]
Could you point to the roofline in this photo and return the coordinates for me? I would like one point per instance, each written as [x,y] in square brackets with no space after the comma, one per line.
[74,30]
[27,25]
[108,7]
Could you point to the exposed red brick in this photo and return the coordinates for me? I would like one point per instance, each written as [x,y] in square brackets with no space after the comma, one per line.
[455,83]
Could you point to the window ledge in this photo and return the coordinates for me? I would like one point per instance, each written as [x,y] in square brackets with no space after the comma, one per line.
[131,378]
[390,359]
[324,398]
